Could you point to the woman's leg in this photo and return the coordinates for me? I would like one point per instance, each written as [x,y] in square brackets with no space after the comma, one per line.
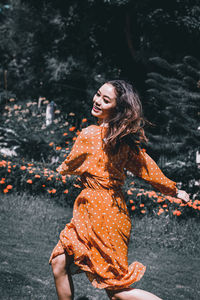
[131,294]
[62,277]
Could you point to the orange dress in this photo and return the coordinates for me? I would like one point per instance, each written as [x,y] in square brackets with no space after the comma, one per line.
[99,232]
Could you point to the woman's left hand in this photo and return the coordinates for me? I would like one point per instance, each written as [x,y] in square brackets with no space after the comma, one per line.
[183,195]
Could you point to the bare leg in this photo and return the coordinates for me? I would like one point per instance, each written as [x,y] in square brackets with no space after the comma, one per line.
[62,277]
[131,294]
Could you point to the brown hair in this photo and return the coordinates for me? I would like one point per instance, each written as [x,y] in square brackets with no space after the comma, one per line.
[126,125]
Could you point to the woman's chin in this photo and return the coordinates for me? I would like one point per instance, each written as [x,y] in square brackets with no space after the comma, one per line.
[96,114]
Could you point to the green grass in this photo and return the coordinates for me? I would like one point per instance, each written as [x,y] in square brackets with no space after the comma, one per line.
[30,227]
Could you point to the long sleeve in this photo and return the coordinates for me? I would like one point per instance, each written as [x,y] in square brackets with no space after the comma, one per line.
[76,161]
[142,165]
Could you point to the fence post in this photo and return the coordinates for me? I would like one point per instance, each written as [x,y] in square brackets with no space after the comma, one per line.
[50,113]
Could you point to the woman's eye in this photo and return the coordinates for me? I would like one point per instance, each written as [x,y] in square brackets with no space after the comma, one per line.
[98,94]
[106,101]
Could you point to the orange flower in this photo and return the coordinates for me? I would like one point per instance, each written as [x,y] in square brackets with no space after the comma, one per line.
[139,194]
[196,202]
[84,120]
[37,176]
[58,148]
[129,192]
[74,138]
[14,166]
[143,211]
[29,181]
[164,205]
[23,168]
[133,207]
[176,212]
[9,187]
[183,204]
[3,163]
[141,205]
[5,191]
[160,199]
[161,210]
[43,185]
[177,200]
[72,128]
[2,182]
[65,133]
[30,171]
[51,144]
[131,201]
[53,191]
[66,191]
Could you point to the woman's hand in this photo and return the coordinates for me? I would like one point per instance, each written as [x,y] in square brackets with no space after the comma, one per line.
[183,195]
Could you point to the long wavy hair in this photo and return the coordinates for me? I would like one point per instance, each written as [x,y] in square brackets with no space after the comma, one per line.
[127,122]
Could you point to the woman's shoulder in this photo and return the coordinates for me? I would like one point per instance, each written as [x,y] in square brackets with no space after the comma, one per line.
[90,131]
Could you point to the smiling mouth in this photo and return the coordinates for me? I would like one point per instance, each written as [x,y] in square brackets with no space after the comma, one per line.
[96,109]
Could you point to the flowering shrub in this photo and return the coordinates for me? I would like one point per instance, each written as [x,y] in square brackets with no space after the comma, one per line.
[24,129]
[144,202]
[43,148]
[36,178]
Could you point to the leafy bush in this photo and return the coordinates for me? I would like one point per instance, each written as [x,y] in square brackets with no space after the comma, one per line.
[24,129]
[36,178]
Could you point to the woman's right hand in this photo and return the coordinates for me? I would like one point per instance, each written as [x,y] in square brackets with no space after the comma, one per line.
[183,195]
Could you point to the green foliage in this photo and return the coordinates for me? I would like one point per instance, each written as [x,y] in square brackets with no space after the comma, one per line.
[63,49]
[173,106]
[37,178]
[24,130]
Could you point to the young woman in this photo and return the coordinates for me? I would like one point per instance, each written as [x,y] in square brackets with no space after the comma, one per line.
[97,237]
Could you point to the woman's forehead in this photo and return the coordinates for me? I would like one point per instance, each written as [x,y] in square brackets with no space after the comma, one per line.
[108,90]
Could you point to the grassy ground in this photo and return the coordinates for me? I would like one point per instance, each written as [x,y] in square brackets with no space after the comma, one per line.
[30,226]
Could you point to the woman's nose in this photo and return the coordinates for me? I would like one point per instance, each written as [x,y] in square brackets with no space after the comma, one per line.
[98,100]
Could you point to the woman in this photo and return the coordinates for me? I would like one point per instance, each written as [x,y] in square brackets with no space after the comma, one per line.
[97,237]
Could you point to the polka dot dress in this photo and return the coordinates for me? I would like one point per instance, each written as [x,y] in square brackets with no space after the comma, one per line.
[99,232]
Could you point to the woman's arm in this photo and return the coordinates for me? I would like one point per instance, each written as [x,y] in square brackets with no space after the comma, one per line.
[76,161]
[143,166]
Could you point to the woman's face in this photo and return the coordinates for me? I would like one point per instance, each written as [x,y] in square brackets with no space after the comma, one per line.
[104,102]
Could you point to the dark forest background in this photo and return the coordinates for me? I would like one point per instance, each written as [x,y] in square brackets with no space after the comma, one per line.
[64,50]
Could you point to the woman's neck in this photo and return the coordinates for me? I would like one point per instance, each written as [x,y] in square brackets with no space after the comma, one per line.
[102,123]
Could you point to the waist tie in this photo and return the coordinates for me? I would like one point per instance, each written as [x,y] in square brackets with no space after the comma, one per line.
[90,183]
[114,192]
